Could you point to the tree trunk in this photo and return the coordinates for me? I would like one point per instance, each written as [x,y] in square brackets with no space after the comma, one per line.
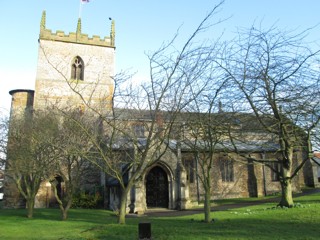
[285,180]
[30,207]
[64,210]
[286,196]
[286,185]
[207,206]
[64,214]
[123,207]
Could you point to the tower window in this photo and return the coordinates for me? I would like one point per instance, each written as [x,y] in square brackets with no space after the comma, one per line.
[77,69]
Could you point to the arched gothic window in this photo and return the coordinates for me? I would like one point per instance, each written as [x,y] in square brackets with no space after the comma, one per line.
[226,169]
[77,69]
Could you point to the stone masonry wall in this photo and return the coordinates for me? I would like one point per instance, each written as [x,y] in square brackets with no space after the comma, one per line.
[53,84]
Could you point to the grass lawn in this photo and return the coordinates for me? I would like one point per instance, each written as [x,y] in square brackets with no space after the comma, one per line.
[256,222]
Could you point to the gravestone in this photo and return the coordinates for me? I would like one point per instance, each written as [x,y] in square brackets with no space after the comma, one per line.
[144,231]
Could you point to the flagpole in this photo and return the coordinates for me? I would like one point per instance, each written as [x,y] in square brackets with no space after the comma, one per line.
[80,8]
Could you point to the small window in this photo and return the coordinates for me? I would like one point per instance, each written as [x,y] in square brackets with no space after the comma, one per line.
[189,166]
[77,69]
[138,131]
[226,169]
[275,171]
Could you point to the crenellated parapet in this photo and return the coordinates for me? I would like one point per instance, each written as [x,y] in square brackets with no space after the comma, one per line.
[78,36]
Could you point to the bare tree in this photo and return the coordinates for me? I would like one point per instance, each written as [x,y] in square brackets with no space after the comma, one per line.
[30,157]
[3,146]
[204,125]
[206,137]
[4,129]
[274,76]
[71,164]
[154,106]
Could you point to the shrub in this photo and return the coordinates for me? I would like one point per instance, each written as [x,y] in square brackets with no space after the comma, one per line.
[83,200]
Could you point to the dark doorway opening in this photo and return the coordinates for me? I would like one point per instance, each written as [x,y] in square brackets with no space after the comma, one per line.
[157,188]
[59,186]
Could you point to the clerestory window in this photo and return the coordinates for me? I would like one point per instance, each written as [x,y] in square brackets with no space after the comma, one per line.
[77,69]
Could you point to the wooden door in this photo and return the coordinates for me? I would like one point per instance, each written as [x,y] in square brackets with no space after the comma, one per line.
[157,188]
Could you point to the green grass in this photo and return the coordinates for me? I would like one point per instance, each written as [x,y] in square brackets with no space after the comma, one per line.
[256,222]
[228,201]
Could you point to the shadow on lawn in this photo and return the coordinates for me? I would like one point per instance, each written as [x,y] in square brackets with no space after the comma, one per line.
[53,214]
[84,215]
[239,228]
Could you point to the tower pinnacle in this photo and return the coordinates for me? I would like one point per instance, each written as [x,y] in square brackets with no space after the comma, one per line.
[112,33]
[43,21]
[79,26]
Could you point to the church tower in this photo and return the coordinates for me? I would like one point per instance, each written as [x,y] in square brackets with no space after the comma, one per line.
[74,69]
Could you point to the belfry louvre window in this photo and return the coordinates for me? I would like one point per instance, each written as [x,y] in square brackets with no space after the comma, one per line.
[226,169]
[77,68]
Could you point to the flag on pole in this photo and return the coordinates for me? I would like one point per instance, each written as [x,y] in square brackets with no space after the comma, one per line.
[80,6]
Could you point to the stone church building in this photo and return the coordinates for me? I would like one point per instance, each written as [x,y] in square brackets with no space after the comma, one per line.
[170,183]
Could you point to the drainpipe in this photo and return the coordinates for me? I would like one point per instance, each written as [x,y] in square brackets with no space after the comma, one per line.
[264,175]
[198,191]
[178,146]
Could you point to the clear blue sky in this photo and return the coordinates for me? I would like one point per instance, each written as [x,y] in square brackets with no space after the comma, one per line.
[141,26]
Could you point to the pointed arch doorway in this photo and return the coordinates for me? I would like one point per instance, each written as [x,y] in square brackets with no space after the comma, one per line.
[157,194]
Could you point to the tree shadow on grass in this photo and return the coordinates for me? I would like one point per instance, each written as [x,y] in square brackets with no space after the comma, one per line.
[240,228]
[184,229]
[234,224]
[85,215]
